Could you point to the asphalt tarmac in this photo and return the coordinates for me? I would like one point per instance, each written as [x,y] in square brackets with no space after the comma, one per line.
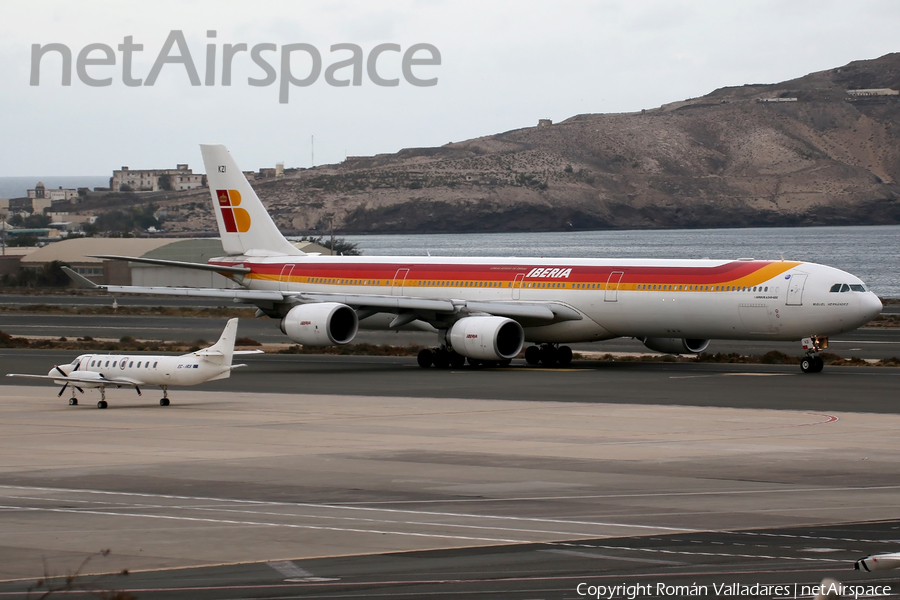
[313,476]
[867,343]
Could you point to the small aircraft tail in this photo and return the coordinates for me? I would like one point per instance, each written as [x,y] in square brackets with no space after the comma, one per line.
[244,224]
[222,352]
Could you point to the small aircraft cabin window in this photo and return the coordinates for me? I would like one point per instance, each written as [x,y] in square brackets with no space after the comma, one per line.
[107,363]
[139,365]
[155,363]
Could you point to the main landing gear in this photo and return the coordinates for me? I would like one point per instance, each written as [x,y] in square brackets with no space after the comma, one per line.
[102,403]
[164,401]
[443,358]
[549,355]
[812,363]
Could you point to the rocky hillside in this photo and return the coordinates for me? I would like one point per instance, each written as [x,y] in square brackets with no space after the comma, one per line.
[801,152]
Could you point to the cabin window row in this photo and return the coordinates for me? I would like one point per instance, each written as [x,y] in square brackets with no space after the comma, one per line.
[704,288]
[99,363]
[578,286]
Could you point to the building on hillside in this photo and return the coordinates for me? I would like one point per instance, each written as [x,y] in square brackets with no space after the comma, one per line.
[874,92]
[29,205]
[155,180]
[60,194]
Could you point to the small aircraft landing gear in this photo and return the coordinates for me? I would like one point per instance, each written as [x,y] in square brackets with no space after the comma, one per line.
[549,355]
[164,401]
[102,403]
[73,401]
[812,363]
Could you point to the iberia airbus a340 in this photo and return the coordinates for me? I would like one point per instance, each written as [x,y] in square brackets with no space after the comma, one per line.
[486,309]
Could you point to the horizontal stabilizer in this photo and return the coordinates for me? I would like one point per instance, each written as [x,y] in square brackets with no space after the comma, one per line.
[175,263]
[80,280]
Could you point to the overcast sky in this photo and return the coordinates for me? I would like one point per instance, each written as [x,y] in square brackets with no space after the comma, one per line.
[504,65]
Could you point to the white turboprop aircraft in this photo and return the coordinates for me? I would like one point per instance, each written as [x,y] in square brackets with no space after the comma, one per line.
[485,309]
[117,370]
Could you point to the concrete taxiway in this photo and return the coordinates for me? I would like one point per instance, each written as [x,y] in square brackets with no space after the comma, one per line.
[277,482]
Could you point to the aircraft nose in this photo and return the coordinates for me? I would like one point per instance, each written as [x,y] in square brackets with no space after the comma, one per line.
[870,306]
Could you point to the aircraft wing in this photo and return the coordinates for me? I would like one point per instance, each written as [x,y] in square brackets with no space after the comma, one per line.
[120,381]
[549,312]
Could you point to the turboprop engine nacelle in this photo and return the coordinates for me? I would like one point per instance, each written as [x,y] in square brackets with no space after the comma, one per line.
[676,345]
[321,324]
[487,338]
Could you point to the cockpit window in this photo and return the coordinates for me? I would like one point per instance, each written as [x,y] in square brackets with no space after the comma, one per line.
[857,287]
[845,288]
[835,288]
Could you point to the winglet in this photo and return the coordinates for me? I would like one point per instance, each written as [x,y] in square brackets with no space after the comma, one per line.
[80,280]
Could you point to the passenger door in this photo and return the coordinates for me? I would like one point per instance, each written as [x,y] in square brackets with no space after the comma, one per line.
[612,286]
[795,289]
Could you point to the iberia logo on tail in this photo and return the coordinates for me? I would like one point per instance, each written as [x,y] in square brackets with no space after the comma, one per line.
[237,220]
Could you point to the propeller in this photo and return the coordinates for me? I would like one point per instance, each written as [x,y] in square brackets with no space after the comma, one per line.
[63,389]
[61,372]
[138,390]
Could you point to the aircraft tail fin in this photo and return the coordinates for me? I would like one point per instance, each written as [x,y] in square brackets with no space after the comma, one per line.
[222,352]
[244,224]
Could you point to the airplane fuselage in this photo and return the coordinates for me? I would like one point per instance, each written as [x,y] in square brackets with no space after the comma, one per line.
[188,369]
[709,299]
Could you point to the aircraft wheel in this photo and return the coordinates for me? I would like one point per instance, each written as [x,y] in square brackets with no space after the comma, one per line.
[564,356]
[457,360]
[818,364]
[102,404]
[425,358]
[474,362]
[164,402]
[441,359]
[548,355]
[506,362]
[73,401]
[533,355]
[807,365]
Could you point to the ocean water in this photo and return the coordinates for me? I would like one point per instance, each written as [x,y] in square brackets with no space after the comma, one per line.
[16,187]
[871,253]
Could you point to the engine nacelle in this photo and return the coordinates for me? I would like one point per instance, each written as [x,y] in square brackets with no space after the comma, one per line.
[487,338]
[676,345]
[321,324]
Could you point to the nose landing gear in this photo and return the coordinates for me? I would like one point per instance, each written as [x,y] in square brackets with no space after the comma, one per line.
[812,363]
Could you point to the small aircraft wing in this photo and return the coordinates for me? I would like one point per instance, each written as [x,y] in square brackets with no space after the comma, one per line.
[100,379]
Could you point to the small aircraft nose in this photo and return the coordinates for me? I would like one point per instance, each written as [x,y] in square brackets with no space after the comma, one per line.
[870,306]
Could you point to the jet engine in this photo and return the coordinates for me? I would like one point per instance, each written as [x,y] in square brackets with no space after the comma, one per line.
[676,345]
[321,324]
[487,338]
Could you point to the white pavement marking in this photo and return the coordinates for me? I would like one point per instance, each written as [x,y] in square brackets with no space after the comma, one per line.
[296,574]
[110,507]
[611,557]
